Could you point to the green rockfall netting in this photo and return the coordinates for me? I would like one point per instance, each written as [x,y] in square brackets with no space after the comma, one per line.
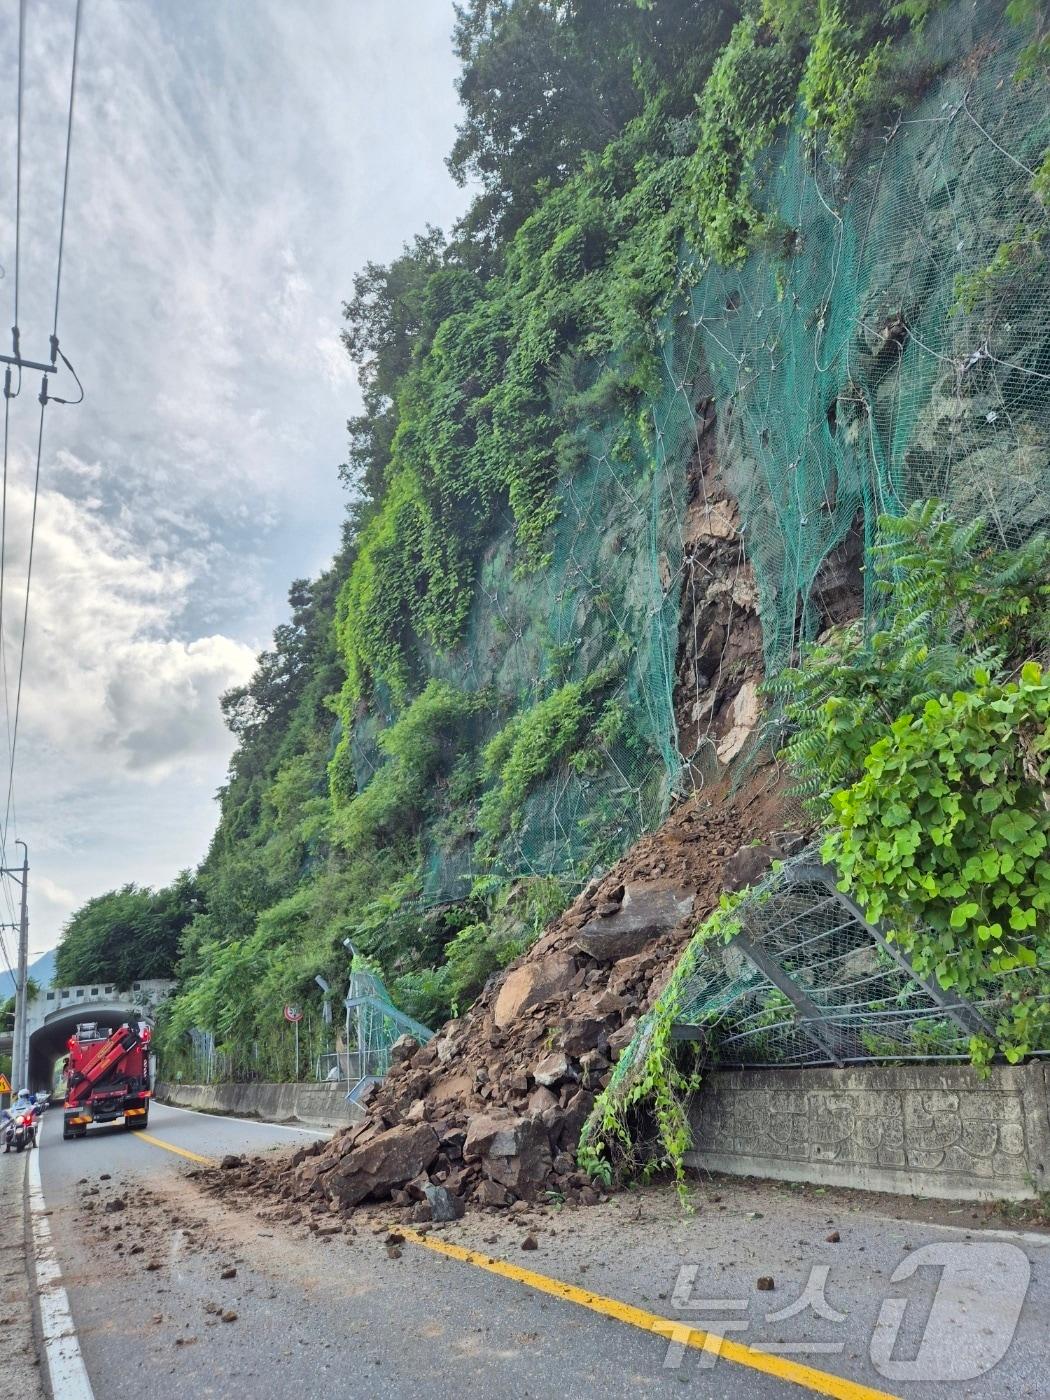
[863,362]
[373,1024]
[860,359]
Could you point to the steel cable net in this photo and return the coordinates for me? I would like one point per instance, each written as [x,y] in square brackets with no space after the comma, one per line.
[867,359]
[868,353]
[373,1024]
[807,983]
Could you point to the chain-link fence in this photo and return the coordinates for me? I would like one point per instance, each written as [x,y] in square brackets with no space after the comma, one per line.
[809,981]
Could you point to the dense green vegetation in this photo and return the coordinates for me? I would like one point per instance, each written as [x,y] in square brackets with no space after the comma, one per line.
[616,146]
[127,935]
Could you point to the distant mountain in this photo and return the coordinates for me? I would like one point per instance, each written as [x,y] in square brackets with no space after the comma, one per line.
[42,971]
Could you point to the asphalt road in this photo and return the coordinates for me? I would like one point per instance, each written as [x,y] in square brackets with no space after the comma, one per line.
[313,1314]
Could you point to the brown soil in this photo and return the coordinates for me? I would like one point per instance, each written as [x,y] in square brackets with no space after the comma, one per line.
[491,1109]
[477,1069]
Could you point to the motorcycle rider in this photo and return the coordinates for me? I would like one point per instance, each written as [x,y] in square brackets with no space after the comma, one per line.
[24,1105]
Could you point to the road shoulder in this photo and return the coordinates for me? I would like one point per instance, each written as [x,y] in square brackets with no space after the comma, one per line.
[19,1356]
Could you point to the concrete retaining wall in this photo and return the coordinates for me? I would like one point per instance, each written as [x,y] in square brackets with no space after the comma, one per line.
[319,1105]
[915,1129]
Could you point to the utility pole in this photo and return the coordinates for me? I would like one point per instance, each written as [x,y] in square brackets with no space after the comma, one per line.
[19,1048]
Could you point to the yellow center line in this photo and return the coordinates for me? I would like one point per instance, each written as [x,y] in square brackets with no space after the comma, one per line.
[820,1382]
[170,1147]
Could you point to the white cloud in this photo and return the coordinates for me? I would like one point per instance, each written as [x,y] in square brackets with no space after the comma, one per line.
[108,682]
[233,167]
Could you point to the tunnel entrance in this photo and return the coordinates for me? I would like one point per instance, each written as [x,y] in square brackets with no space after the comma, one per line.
[47,1044]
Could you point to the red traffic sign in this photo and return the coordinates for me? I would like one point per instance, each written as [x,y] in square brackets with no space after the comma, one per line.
[293,1013]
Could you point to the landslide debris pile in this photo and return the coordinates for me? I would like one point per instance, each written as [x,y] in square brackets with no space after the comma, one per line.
[489,1112]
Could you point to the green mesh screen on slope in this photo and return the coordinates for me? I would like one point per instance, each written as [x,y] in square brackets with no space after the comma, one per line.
[850,378]
[851,381]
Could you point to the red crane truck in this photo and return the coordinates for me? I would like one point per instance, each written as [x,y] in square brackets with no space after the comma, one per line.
[108,1077]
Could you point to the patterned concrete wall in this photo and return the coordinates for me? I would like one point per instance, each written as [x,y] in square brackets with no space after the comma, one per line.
[918,1129]
[320,1105]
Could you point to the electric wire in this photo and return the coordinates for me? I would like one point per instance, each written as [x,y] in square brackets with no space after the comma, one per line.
[18,178]
[65,176]
[44,399]
[25,619]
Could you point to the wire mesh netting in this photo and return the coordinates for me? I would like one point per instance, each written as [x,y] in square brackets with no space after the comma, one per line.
[373,1024]
[878,347]
[809,982]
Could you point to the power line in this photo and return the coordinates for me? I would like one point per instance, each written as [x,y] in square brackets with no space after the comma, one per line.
[25,614]
[65,177]
[43,397]
[18,172]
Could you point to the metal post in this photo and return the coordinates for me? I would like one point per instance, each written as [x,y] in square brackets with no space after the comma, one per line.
[297,1052]
[809,1019]
[19,1048]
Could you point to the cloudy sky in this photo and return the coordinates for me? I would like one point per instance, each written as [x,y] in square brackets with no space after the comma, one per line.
[234,163]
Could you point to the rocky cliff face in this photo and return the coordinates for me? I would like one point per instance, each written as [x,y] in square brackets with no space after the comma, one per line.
[875,346]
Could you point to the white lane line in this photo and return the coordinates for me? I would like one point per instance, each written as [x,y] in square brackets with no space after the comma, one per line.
[251,1122]
[65,1364]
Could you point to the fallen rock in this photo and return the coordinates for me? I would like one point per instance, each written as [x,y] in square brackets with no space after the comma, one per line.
[443,1205]
[765,1284]
[524,1170]
[645,912]
[383,1164]
[530,983]
[487,1133]
[491,1193]
[529,1242]
[230,1161]
[747,866]
[551,1070]
[403,1049]
[541,1099]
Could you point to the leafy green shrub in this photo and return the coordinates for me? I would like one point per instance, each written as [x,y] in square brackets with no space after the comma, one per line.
[1014,262]
[526,750]
[950,607]
[945,839]
[750,93]
[839,77]
[418,744]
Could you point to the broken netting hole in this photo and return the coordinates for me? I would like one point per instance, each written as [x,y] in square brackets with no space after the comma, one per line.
[833,416]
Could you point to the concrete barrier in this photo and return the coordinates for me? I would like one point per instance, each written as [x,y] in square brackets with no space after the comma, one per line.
[930,1130]
[317,1105]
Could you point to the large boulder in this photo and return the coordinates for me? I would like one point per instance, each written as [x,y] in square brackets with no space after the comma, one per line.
[403,1049]
[490,1132]
[744,715]
[551,1070]
[388,1161]
[443,1205]
[514,1152]
[646,911]
[529,984]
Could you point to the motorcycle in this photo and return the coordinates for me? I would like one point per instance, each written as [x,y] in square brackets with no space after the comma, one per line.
[19,1129]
